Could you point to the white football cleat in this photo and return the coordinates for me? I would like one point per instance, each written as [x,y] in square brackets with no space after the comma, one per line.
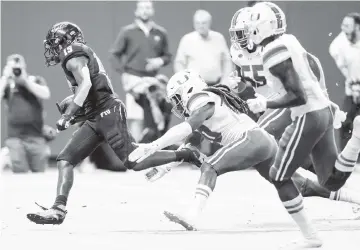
[158,172]
[304,243]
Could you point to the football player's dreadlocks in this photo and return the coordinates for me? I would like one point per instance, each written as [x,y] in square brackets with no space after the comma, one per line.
[234,102]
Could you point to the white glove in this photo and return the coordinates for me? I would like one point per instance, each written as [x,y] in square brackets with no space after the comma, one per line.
[258,104]
[142,152]
[339,117]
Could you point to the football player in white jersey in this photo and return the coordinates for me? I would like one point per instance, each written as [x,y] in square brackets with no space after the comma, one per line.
[248,61]
[311,132]
[221,117]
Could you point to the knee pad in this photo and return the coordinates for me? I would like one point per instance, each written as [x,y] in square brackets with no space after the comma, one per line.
[115,139]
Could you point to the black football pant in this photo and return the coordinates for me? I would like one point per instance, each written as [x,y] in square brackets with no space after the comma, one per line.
[109,127]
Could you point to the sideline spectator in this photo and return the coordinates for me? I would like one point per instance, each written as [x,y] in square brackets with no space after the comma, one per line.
[140,50]
[157,110]
[23,94]
[204,51]
[345,49]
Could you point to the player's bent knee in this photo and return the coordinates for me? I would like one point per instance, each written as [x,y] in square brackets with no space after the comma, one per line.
[62,164]
[272,174]
[275,177]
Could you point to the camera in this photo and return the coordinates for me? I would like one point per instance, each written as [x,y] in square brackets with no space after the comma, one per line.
[17,72]
[153,88]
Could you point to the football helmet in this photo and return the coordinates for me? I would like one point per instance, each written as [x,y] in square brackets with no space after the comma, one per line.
[237,30]
[266,20]
[180,88]
[58,38]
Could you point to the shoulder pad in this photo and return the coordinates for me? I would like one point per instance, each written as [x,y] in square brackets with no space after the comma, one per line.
[275,53]
[236,55]
[199,100]
[233,50]
[74,50]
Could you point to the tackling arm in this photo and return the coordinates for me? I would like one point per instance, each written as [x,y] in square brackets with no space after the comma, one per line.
[182,130]
[78,67]
[295,94]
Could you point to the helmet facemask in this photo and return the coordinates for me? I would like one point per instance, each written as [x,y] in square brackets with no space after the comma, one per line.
[178,107]
[52,51]
[58,38]
[239,36]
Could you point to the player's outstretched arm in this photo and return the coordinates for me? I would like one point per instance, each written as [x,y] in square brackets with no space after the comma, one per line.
[78,67]
[174,134]
[182,130]
[295,94]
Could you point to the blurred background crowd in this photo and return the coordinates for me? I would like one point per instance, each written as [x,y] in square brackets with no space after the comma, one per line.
[147,42]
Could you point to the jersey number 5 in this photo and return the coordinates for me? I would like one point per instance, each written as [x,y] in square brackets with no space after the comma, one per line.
[252,72]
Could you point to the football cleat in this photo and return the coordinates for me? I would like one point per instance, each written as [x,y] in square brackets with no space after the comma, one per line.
[180,220]
[52,216]
[314,242]
[158,172]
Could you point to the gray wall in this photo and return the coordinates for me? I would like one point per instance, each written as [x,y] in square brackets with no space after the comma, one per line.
[25,24]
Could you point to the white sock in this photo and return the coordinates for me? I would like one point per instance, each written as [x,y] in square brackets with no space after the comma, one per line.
[296,210]
[202,193]
[346,160]
[345,195]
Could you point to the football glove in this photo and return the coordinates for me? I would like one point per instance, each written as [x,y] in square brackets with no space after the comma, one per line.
[64,104]
[258,104]
[64,122]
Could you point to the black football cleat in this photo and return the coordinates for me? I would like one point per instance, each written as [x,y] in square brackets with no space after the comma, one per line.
[50,216]
[179,220]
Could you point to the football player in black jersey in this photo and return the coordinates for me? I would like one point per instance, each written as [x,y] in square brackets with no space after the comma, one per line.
[94,101]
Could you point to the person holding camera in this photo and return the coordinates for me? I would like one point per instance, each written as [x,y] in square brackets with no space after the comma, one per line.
[151,96]
[26,134]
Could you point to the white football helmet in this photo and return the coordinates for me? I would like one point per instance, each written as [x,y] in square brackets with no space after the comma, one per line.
[181,87]
[267,19]
[237,30]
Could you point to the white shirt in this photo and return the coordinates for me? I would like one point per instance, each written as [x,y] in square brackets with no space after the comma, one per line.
[347,58]
[207,56]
